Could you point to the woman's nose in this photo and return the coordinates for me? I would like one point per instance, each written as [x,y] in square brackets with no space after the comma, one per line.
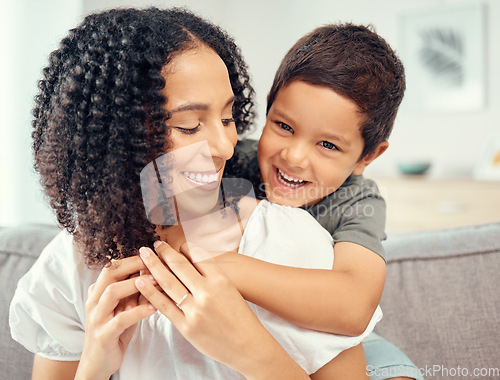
[222,141]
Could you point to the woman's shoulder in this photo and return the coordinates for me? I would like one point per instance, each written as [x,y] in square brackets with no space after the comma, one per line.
[61,251]
[289,222]
[293,215]
[60,266]
[287,236]
[47,312]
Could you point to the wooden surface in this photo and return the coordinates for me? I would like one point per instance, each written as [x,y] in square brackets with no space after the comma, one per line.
[420,203]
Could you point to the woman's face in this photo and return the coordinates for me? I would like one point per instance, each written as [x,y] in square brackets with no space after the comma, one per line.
[203,133]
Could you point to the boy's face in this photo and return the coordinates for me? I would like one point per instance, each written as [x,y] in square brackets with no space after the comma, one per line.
[310,144]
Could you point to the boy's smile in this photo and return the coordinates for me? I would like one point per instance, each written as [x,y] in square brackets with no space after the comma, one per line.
[310,144]
[289,181]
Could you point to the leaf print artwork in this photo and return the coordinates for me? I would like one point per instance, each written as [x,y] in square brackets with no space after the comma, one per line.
[442,54]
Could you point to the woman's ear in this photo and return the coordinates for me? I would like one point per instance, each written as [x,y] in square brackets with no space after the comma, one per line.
[367,160]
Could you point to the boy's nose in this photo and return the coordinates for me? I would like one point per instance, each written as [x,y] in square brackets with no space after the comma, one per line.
[296,155]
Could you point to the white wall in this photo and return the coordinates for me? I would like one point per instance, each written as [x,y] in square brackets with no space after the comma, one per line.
[30,29]
[453,141]
[264,29]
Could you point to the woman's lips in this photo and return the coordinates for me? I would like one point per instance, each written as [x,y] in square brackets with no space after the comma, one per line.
[203,180]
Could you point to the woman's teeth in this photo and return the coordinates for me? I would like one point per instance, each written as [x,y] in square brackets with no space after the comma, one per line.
[201,178]
[289,181]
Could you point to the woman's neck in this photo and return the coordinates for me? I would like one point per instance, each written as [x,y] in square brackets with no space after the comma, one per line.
[217,232]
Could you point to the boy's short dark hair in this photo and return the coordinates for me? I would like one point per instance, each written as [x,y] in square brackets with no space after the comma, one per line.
[355,62]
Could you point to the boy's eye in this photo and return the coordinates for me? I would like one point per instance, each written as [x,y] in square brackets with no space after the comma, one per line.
[226,122]
[284,126]
[188,131]
[328,145]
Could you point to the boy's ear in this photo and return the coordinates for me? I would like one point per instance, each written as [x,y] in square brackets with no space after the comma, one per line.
[366,160]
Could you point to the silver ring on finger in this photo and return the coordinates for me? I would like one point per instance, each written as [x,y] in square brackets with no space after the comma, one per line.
[178,304]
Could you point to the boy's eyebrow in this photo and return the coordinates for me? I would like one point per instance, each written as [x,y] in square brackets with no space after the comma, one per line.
[339,139]
[198,106]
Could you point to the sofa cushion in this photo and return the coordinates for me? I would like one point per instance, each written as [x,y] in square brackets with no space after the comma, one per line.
[441,301]
[19,248]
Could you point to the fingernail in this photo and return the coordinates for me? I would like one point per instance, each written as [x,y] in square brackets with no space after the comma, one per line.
[157,244]
[139,283]
[151,307]
[144,252]
[152,279]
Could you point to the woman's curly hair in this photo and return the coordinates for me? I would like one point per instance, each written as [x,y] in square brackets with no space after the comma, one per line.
[99,118]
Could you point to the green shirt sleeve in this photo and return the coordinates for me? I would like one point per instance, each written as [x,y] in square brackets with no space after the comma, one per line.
[356,212]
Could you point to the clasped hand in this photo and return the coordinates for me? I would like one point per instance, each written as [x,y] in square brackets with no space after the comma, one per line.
[197,298]
[204,306]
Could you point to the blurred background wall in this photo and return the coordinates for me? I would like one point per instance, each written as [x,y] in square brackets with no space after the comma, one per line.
[453,140]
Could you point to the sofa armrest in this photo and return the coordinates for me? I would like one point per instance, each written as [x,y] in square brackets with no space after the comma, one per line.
[441,301]
[19,248]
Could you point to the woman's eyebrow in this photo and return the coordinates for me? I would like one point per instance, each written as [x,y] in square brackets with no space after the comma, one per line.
[198,106]
[191,107]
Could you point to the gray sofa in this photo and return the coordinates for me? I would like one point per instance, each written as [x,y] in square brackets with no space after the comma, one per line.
[441,302]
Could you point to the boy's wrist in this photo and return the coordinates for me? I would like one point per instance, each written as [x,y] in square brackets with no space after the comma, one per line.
[228,263]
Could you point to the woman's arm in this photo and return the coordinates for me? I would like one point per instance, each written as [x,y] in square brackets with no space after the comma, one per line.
[46,369]
[213,316]
[340,301]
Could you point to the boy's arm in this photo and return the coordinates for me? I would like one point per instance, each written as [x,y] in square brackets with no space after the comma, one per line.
[349,364]
[340,301]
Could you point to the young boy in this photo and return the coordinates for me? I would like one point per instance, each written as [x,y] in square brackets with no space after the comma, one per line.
[330,112]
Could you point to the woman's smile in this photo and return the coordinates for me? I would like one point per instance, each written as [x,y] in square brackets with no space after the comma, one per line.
[203,180]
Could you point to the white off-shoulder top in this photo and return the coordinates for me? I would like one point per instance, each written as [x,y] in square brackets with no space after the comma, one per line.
[47,314]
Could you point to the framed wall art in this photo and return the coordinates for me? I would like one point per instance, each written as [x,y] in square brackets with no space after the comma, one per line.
[443,50]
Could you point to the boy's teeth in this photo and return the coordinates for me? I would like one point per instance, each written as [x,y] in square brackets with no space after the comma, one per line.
[290,181]
[202,178]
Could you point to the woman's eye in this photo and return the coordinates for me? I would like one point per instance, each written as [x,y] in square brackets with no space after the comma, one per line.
[284,126]
[328,145]
[226,122]
[188,131]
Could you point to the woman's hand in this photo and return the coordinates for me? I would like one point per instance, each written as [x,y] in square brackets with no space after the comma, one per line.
[208,310]
[112,312]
